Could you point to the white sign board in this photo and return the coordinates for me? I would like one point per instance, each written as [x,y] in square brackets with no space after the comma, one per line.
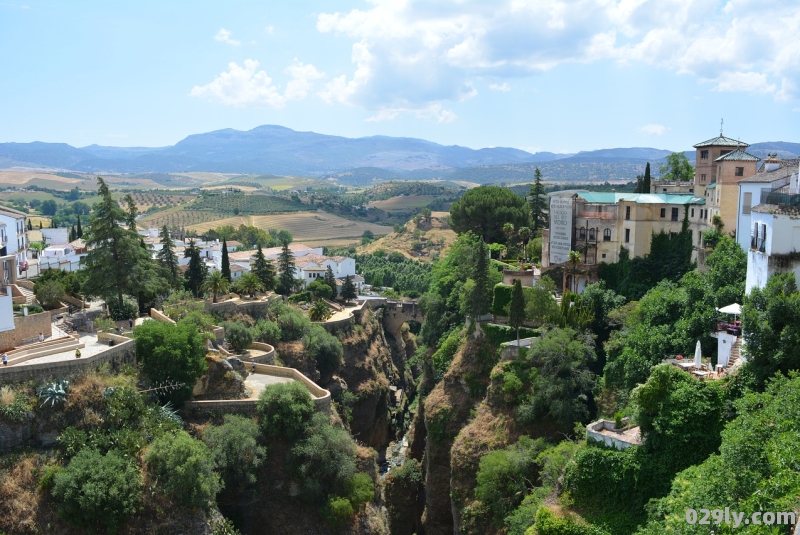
[560,229]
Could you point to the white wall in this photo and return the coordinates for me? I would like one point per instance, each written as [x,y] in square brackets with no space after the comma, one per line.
[17,241]
[758,262]
[744,221]
[55,236]
[6,312]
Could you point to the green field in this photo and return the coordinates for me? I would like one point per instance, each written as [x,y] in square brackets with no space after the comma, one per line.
[236,203]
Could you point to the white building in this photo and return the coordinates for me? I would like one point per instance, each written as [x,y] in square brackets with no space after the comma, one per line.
[14,240]
[54,236]
[774,176]
[314,266]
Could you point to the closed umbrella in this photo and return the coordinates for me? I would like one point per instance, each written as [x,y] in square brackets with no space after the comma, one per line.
[698,355]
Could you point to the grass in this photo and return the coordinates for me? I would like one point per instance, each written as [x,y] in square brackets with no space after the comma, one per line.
[403,203]
[6,395]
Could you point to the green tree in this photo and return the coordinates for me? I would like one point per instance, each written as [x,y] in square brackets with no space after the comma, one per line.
[79,229]
[216,284]
[49,208]
[482,295]
[131,212]
[235,449]
[330,280]
[167,259]
[676,168]
[284,409]
[516,309]
[320,311]
[485,209]
[573,260]
[49,293]
[249,284]
[171,353]
[286,270]
[537,201]
[226,263]
[264,270]
[348,289]
[238,336]
[197,271]
[324,460]
[184,467]
[324,348]
[98,491]
[524,234]
[646,180]
[116,263]
[320,290]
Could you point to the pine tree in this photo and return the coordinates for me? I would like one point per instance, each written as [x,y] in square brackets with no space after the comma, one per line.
[226,263]
[131,213]
[516,309]
[79,230]
[348,289]
[538,202]
[167,259]
[330,280]
[197,270]
[264,270]
[286,268]
[481,298]
[116,264]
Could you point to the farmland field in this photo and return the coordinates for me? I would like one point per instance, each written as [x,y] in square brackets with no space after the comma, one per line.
[236,203]
[232,221]
[318,228]
[159,199]
[403,203]
[180,216]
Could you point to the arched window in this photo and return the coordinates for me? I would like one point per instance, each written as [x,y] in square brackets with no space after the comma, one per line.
[591,234]
[582,235]
[607,234]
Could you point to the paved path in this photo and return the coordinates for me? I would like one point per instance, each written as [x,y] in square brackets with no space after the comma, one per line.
[92,347]
[259,381]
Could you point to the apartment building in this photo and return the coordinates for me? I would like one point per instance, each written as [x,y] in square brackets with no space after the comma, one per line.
[14,236]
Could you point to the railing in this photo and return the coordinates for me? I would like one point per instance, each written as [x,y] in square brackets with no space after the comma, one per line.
[769,196]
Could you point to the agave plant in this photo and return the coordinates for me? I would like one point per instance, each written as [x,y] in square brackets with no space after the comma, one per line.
[54,393]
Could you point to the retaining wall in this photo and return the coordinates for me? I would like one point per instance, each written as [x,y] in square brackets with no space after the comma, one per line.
[116,356]
[160,316]
[269,353]
[25,284]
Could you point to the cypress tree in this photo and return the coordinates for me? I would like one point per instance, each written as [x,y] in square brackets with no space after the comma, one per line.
[481,299]
[30,225]
[226,263]
[131,213]
[286,267]
[516,309]
[72,236]
[538,202]
[330,280]
[79,230]
[646,181]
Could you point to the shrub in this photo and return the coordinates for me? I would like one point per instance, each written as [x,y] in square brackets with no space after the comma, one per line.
[284,409]
[325,460]
[186,467]
[302,297]
[238,336]
[324,348]
[129,308]
[360,490]
[96,490]
[49,294]
[234,446]
[171,353]
[15,407]
[548,523]
[320,289]
[293,324]
[338,512]
[267,331]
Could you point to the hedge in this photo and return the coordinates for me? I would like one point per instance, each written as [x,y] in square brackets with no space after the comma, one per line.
[502,297]
[497,334]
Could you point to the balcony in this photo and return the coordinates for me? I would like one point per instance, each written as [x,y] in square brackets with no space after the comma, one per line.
[773,196]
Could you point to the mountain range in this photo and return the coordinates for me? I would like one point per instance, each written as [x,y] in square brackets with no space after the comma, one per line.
[283,151]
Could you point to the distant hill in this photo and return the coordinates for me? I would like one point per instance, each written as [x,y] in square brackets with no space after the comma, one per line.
[278,150]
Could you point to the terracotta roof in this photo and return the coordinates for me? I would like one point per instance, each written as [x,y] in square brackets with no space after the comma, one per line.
[237,267]
[16,214]
[317,259]
[776,209]
[721,141]
[241,255]
[786,169]
[737,155]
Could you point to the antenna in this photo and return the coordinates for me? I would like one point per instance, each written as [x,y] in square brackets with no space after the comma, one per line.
[721,121]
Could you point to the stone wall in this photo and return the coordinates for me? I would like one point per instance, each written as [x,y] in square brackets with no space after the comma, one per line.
[269,353]
[27,328]
[116,356]
[160,316]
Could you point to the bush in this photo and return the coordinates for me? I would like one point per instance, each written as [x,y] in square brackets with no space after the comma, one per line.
[324,348]
[267,331]
[49,294]
[284,409]
[293,324]
[498,334]
[360,490]
[170,352]
[301,297]
[238,336]
[338,512]
[325,460]
[186,468]
[96,490]
[320,289]
[129,308]
[234,447]
[548,523]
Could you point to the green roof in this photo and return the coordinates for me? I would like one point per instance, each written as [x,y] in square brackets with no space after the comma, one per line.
[639,198]
[737,155]
[712,185]
[721,141]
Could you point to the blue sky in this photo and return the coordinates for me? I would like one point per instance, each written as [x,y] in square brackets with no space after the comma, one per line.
[557,75]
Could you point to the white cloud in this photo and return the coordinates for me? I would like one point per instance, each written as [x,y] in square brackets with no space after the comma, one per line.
[244,86]
[434,111]
[224,36]
[504,87]
[653,129]
[269,29]
[410,54]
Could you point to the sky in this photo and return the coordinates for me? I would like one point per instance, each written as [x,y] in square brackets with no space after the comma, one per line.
[539,75]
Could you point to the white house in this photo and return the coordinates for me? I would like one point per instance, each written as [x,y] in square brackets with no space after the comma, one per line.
[54,236]
[314,266]
[14,240]
[774,243]
[774,176]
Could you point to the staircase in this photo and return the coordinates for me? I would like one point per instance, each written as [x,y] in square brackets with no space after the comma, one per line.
[43,349]
[735,353]
[29,297]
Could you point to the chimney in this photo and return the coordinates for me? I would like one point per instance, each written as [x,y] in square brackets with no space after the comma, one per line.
[772,163]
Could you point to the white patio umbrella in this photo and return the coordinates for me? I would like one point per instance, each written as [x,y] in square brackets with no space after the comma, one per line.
[698,355]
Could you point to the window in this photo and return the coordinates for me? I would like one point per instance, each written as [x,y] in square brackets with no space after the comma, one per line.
[607,234]
[664,190]
[627,212]
[663,212]
[604,255]
[674,214]
[740,171]
[704,155]
[692,212]
[627,235]
[699,237]
[746,203]
[703,177]
[592,236]
[691,190]
[582,234]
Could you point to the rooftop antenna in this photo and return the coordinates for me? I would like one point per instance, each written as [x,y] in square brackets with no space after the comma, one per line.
[721,121]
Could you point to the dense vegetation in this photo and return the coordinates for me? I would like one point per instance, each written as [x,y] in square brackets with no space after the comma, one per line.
[395,271]
[244,203]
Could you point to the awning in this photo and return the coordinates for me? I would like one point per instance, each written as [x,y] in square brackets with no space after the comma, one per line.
[735,308]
